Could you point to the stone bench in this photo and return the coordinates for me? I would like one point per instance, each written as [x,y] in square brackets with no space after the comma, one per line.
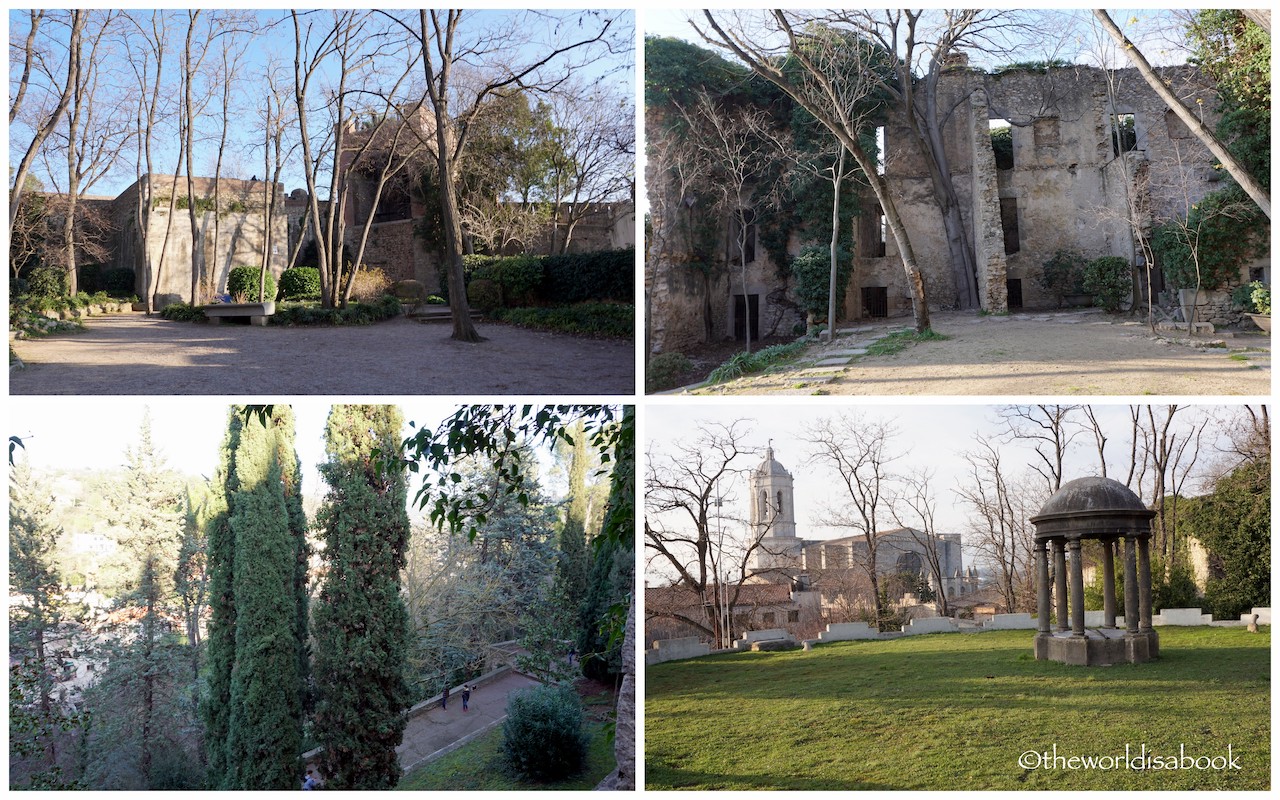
[256,312]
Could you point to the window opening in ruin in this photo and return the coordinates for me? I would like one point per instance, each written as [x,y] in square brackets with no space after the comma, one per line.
[1013,288]
[880,150]
[871,232]
[743,220]
[1002,143]
[740,317]
[1124,133]
[875,301]
[1009,222]
[793,616]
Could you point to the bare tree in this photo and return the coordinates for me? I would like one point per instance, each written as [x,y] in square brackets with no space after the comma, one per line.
[1189,117]
[835,83]
[1050,428]
[857,451]
[739,147]
[47,119]
[1001,531]
[513,60]
[914,507]
[685,528]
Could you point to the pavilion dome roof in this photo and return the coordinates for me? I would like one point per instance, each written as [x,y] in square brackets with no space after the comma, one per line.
[1092,507]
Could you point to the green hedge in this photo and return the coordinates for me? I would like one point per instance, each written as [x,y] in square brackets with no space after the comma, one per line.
[555,280]
[542,735]
[245,280]
[355,313]
[299,283]
[613,320]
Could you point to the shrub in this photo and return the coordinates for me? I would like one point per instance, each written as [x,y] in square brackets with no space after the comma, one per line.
[1063,274]
[665,370]
[484,295]
[356,313]
[542,736]
[245,280]
[1225,230]
[182,312]
[812,272]
[47,280]
[299,283]
[605,275]
[614,320]
[118,282]
[437,300]
[368,284]
[516,276]
[91,278]
[1110,280]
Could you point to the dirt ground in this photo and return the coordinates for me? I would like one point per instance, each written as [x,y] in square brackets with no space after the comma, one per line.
[1059,353]
[134,354]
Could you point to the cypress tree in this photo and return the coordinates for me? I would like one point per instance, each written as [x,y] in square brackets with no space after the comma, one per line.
[221,635]
[361,625]
[573,563]
[265,723]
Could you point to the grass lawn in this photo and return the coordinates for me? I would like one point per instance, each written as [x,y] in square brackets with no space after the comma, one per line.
[956,711]
[481,765]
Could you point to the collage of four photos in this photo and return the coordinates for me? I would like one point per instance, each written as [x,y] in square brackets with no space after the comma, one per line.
[639,400]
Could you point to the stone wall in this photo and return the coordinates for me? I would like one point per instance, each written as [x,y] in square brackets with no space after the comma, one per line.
[394,248]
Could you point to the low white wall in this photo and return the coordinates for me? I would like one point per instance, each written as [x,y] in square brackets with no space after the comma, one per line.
[1181,616]
[1264,616]
[1010,622]
[765,635]
[675,649]
[847,632]
[930,625]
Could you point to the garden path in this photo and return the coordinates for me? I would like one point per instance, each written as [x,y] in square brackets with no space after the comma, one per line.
[138,355]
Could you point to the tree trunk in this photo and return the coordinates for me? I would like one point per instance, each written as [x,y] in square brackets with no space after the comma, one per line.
[835,241]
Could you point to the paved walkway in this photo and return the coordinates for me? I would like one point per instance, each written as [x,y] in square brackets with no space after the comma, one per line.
[437,731]
[136,354]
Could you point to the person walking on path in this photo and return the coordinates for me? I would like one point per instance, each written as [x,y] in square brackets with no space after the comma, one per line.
[444,700]
[466,695]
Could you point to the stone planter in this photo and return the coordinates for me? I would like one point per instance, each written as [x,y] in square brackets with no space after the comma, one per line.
[1263,321]
[256,312]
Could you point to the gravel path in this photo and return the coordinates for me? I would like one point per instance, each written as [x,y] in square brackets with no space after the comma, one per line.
[135,354]
[1062,353]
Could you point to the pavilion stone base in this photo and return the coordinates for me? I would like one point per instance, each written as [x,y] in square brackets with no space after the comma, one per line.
[1098,647]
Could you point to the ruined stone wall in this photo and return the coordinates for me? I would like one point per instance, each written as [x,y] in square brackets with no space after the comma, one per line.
[394,248]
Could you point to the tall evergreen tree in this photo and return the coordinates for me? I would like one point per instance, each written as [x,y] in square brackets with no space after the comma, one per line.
[361,624]
[265,723]
[573,563]
[221,633]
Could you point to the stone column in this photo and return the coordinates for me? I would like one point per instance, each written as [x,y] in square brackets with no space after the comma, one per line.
[1130,586]
[1077,589]
[1042,586]
[1060,582]
[1108,584]
[1144,584]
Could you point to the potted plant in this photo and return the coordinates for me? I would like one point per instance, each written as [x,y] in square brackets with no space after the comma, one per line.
[1255,298]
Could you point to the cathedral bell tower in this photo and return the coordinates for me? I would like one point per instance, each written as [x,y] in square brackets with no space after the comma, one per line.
[773,516]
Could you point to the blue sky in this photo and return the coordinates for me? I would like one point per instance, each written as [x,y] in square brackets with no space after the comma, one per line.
[246,159]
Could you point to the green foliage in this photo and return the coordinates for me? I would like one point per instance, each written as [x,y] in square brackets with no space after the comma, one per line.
[356,313]
[34,728]
[484,295]
[481,765]
[542,735]
[1041,66]
[1063,274]
[361,625]
[245,281]
[47,281]
[1222,232]
[744,363]
[1236,54]
[264,736]
[578,277]
[1110,280]
[811,270]
[300,283]
[1234,523]
[612,579]
[1252,298]
[516,276]
[215,706]
[118,282]
[203,204]
[612,320]
[1175,590]
[665,370]
[675,69]
[436,300]
[1002,145]
[183,312]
